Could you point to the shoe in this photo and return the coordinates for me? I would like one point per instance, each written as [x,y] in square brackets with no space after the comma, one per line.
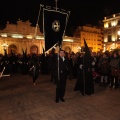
[113,87]
[101,84]
[82,94]
[62,100]
[51,80]
[57,101]
[75,89]
[54,82]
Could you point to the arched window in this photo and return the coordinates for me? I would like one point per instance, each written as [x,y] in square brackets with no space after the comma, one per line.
[34,49]
[12,48]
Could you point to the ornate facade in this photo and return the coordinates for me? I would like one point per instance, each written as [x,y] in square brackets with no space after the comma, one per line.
[112,32]
[23,36]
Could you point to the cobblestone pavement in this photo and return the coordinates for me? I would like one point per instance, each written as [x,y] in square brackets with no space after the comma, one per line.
[20,100]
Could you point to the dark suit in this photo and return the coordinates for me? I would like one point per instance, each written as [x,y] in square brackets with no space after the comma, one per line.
[64,69]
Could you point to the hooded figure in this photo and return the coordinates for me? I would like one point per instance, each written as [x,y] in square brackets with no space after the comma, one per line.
[5,63]
[34,68]
[24,66]
[85,76]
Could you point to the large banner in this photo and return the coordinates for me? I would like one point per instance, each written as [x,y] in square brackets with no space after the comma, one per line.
[54,25]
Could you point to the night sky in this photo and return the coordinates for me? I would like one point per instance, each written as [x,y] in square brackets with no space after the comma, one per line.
[81,11]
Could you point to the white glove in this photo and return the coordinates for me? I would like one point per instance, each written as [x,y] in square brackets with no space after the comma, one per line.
[81,66]
[93,63]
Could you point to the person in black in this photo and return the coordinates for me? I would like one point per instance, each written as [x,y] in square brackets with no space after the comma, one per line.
[85,76]
[86,65]
[23,63]
[52,65]
[34,68]
[44,64]
[61,72]
[5,62]
[115,69]
[104,69]
[13,63]
[79,81]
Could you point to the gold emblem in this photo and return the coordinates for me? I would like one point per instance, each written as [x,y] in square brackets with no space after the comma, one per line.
[56,26]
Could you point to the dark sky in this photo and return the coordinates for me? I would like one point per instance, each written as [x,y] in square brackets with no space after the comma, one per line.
[81,11]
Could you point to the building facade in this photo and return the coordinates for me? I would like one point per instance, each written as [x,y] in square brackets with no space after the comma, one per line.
[112,32]
[23,36]
[92,35]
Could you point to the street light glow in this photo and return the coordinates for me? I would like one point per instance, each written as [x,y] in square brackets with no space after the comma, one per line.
[118,32]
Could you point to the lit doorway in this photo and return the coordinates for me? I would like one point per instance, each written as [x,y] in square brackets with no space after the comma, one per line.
[12,48]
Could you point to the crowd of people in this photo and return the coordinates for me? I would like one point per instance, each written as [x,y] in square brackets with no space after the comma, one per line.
[103,67]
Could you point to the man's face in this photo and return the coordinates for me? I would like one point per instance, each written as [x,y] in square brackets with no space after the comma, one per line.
[62,53]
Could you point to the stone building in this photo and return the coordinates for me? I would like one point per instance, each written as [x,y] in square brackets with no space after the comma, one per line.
[22,35]
[112,32]
[93,36]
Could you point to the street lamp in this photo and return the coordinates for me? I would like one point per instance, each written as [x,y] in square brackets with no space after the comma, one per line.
[79,49]
[4,45]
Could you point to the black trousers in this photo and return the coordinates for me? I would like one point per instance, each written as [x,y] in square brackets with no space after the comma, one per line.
[60,89]
[114,81]
[35,75]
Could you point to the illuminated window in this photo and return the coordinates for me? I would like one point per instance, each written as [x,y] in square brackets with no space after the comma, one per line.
[118,22]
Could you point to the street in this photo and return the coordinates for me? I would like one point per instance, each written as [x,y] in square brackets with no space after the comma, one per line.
[20,100]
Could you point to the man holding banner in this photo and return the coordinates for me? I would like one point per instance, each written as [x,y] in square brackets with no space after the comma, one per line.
[55,22]
[54,27]
[61,75]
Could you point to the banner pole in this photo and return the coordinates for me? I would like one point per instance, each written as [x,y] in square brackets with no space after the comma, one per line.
[84,74]
[58,61]
[56,4]
[37,23]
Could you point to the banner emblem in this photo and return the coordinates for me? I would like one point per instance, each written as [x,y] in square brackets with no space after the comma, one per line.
[56,26]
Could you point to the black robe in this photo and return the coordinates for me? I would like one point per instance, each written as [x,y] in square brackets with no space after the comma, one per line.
[85,82]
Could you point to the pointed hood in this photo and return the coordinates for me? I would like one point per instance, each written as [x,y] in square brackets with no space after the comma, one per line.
[86,49]
[87,56]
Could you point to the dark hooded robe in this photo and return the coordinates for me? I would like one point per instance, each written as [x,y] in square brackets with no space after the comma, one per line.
[34,67]
[85,77]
